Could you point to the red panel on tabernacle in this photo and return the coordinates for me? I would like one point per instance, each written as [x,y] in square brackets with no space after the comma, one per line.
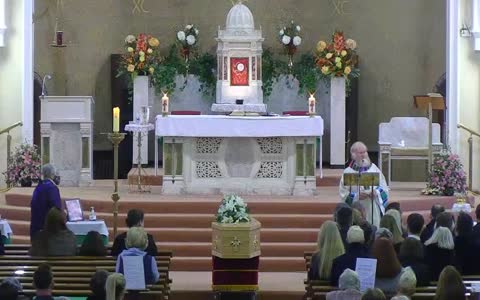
[239,71]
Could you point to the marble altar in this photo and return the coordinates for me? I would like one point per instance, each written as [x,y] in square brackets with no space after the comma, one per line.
[246,155]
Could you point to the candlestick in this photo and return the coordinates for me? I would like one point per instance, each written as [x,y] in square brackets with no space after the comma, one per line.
[116,119]
[311,105]
[165,104]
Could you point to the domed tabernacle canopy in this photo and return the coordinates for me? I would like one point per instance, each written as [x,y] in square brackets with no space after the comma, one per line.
[240,17]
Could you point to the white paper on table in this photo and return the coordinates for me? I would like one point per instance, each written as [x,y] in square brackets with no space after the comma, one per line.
[134,272]
[366,269]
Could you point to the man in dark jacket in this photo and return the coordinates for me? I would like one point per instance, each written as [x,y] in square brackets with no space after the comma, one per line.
[428,230]
[45,196]
[355,249]
[134,218]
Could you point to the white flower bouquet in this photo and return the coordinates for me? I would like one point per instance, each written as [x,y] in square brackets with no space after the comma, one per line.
[290,37]
[233,210]
[187,39]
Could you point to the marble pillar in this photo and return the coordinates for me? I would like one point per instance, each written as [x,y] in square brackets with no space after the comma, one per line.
[337,122]
[140,98]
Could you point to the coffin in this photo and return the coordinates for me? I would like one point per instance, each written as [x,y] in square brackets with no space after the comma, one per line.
[241,240]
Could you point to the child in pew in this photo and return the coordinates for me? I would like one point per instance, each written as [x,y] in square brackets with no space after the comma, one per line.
[43,283]
[136,243]
[97,285]
[115,287]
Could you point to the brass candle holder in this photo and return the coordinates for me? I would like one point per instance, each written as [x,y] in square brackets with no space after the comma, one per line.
[116,138]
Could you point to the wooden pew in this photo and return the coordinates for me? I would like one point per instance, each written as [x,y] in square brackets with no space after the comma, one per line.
[72,274]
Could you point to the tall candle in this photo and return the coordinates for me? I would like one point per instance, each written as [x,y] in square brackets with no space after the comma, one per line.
[116,119]
[311,105]
[165,103]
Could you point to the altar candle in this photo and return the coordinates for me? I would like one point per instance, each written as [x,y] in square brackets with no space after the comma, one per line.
[116,119]
[311,104]
[165,101]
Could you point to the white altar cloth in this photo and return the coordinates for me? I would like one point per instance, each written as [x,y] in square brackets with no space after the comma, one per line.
[234,126]
[84,227]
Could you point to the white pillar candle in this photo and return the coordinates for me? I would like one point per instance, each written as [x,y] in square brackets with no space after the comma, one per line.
[311,105]
[165,103]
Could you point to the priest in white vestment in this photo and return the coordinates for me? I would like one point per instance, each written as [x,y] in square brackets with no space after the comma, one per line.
[361,163]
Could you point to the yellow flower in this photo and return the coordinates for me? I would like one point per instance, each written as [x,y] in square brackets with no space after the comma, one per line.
[337,59]
[339,65]
[131,68]
[142,58]
[141,53]
[149,50]
[343,53]
[347,70]
[153,42]
[325,70]
[321,45]
[130,49]
[151,70]
[329,55]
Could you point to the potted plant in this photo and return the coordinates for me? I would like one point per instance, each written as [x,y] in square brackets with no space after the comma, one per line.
[290,38]
[234,233]
[23,167]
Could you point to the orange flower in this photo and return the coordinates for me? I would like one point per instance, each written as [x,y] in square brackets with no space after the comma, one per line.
[338,41]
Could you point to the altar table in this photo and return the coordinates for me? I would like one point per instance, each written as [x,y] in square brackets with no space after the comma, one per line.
[269,155]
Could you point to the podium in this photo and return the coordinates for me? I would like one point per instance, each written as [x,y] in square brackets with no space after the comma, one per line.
[429,103]
[365,179]
[66,129]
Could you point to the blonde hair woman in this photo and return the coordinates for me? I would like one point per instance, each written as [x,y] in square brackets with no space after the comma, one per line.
[389,222]
[329,246]
[115,286]
[136,243]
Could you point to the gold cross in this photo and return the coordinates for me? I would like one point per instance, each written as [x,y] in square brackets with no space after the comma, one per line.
[235,243]
[138,6]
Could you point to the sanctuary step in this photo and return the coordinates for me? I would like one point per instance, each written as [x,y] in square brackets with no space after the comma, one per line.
[182,223]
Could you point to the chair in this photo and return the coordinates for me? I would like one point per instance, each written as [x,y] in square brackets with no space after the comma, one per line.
[406,138]
[186,112]
[296,112]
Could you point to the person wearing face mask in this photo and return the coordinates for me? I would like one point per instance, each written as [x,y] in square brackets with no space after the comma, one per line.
[361,163]
[45,196]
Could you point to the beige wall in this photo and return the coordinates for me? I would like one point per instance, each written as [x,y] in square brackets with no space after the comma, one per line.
[11,76]
[469,93]
[401,44]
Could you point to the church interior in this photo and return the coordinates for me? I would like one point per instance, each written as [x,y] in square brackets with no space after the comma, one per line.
[232,134]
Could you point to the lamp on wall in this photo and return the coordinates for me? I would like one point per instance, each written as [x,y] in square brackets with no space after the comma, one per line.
[3,27]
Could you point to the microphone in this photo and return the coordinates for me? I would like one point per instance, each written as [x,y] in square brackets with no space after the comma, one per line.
[45,78]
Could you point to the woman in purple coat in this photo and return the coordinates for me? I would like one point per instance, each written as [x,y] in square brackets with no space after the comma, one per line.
[45,196]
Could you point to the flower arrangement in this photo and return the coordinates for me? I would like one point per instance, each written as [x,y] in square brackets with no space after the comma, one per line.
[23,166]
[338,58]
[142,57]
[447,176]
[232,210]
[187,39]
[290,38]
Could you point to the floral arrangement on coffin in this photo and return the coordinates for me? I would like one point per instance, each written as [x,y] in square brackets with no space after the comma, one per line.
[232,210]
[187,39]
[447,176]
[290,39]
[23,166]
[338,58]
[142,57]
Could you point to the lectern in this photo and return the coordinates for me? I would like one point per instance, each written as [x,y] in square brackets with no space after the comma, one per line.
[429,103]
[66,127]
[365,179]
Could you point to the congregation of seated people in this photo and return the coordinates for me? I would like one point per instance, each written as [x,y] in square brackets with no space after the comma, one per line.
[410,256]
[55,239]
